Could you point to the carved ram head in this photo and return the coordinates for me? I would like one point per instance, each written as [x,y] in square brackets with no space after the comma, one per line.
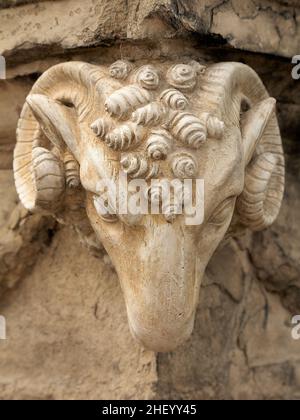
[83,123]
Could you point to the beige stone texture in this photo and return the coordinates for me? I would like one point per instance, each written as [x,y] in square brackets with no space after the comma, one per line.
[13,93]
[68,336]
[57,332]
[35,30]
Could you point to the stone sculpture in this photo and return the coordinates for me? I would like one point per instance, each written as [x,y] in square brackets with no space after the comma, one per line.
[82,123]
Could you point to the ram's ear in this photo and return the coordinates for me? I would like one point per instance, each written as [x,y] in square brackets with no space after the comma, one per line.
[57,121]
[253,125]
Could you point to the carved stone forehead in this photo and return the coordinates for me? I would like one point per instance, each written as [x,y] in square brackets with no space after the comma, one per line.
[153,118]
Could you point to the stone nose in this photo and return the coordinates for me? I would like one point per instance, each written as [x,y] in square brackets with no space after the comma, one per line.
[160,279]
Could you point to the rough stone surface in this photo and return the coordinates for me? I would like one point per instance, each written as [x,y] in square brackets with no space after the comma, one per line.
[8,196]
[22,235]
[31,30]
[12,3]
[13,94]
[67,328]
[73,331]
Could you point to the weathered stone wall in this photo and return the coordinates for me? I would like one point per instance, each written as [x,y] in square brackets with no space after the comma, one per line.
[67,328]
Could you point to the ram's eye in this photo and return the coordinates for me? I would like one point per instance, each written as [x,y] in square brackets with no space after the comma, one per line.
[109,218]
[104,210]
[222,212]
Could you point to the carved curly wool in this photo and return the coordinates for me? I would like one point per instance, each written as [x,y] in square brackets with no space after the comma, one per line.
[125,100]
[135,165]
[215,127]
[159,145]
[101,127]
[147,77]
[71,171]
[174,99]
[150,115]
[182,76]
[153,171]
[124,136]
[159,198]
[171,212]
[120,69]
[154,195]
[184,166]
[188,129]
